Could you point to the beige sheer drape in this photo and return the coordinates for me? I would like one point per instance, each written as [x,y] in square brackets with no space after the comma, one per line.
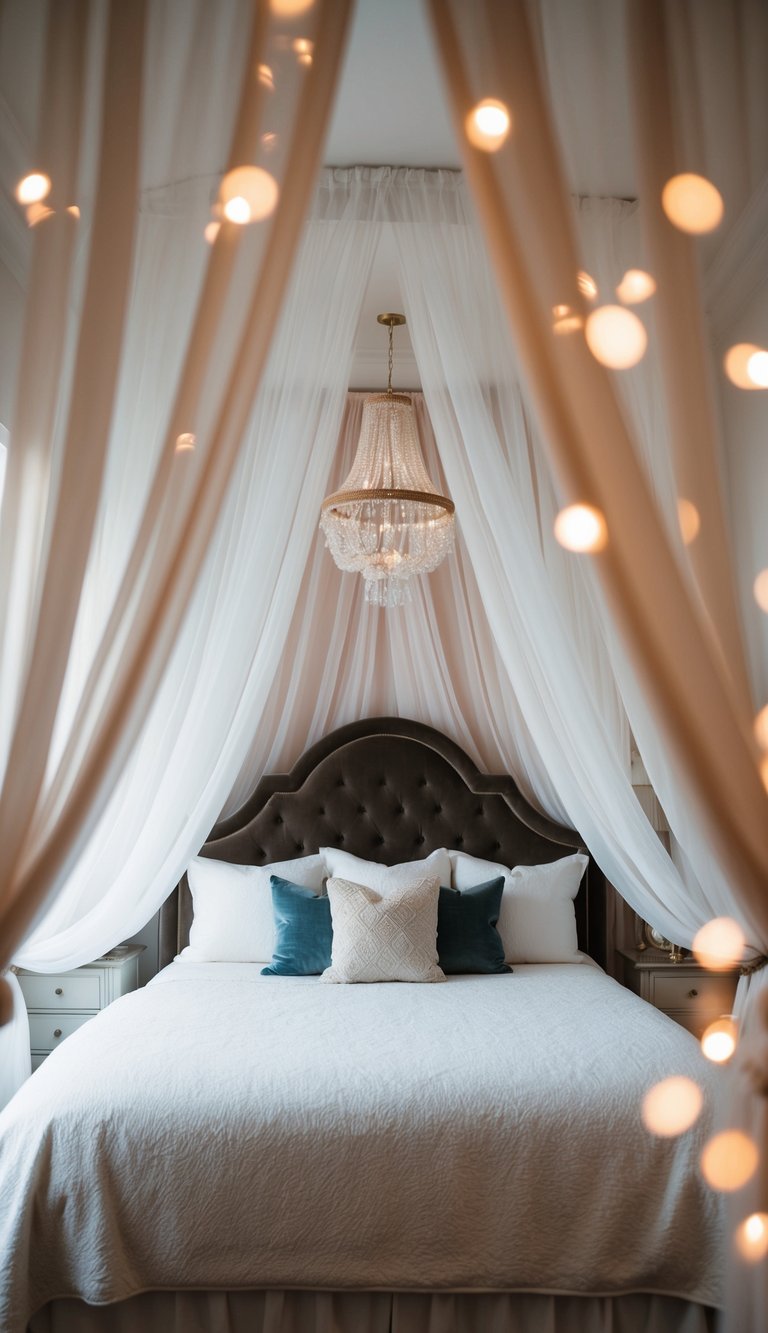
[59,440]
[685,644]
[677,617]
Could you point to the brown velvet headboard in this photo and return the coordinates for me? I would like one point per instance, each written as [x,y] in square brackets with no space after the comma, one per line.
[389,790]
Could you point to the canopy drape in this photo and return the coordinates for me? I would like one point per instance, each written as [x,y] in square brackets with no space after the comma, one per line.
[677,619]
[72,724]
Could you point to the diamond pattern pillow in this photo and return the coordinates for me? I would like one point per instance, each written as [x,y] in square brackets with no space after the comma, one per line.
[391,938]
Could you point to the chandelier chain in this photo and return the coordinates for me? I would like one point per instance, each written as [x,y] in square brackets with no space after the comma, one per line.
[390,360]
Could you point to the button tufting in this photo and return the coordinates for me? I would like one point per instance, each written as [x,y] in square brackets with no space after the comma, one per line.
[382,782]
[478,812]
[379,841]
[422,782]
[340,782]
[321,811]
[438,809]
[258,851]
[278,819]
[299,846]
[459,839]
[399,810]
[420,838]
[361,809]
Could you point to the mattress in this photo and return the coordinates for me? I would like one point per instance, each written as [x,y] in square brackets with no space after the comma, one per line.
[224,1130]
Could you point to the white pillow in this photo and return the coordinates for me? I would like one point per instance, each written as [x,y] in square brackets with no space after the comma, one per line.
[385,878]
[537,921]
[233,921]
[384,937]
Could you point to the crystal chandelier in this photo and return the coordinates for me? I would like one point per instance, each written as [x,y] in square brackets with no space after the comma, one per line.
[388,522]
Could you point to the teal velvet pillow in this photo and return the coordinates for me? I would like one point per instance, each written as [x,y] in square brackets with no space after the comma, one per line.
[467,938]
[303,931]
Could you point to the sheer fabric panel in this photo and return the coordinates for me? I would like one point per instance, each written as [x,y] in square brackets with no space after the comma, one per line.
[519,191]
[64,746]
[234,634]
[677,619]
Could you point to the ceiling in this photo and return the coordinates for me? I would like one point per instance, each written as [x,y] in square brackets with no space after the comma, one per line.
[391,110]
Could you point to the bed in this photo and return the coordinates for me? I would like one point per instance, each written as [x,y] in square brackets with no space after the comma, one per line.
[227,1151]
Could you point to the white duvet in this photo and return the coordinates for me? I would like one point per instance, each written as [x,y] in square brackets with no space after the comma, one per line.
[220,1129]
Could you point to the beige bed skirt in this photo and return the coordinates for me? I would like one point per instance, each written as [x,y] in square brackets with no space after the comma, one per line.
[376,1312]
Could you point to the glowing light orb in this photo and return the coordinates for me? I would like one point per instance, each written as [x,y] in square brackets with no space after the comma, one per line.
[488,125]
[752,1237]
[290,9]
[248,194]
[719,945]
[568,324]
[37,212]
[760,589]
[32,188]
[692,203]
[737,363]
[689,520]
[581,528]
[185,442]
[718,1041]
[303,48]
[586,285]
[635,286]
[672,1106]
[266,77]
[212,231]
[729,1160]
[757,369]
[74,210]
[615,337]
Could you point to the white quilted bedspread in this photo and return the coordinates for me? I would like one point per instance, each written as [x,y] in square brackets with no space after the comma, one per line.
[220,1129]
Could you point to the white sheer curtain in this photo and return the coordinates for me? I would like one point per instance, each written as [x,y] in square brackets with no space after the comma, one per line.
[509,646]
[702,707]
[434,660]
[95,470]
[233,638]
[678,619]
[540,609]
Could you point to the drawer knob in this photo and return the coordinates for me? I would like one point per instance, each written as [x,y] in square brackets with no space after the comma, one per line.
[692,994]
[57,1032]
[58,991]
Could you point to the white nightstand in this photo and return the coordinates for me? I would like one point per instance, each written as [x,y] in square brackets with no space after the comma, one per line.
[59,1002]
[685,991]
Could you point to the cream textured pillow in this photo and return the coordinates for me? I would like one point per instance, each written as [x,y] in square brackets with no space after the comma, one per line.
[384,878]
[537,921]
[391,938]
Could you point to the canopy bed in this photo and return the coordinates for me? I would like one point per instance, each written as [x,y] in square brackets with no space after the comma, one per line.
[458,1149]
[142,480]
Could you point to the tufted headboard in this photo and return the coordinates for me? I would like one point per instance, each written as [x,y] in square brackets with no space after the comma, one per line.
[389,790]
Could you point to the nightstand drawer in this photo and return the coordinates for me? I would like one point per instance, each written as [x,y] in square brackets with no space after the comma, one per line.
[67,991]
[47,1031]
[705,993]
